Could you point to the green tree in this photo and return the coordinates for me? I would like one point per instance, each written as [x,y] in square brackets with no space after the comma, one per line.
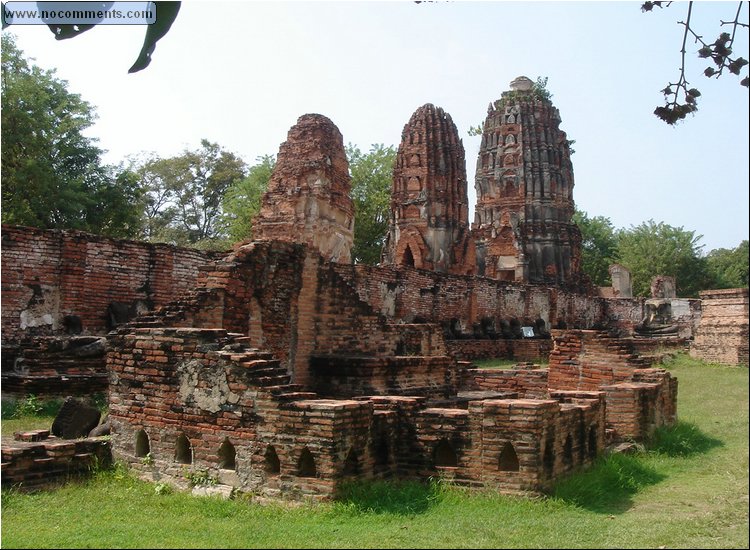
[184,195]
[371,174]
[598,247]
[154,175]
[729,267]
[52,175]
[242,200]
[651,249]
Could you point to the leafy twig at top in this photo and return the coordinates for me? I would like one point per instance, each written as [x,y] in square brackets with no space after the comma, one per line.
[679,97]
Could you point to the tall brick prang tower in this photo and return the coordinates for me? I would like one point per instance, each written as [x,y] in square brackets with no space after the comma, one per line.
[309,194]
[524,181]
[429,226]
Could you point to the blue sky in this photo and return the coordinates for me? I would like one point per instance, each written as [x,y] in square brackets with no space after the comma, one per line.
[241,73]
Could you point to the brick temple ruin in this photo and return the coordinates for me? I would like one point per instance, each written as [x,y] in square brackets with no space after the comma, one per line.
[283,369]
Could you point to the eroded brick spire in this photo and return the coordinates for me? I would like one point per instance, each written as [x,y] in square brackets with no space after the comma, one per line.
[429,203]
[524,181]
[309,194]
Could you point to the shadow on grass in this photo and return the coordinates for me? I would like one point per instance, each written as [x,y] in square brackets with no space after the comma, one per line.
[684,439]
[607,487]
[404,498]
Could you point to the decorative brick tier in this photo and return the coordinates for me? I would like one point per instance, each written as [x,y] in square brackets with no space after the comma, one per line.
[722,335]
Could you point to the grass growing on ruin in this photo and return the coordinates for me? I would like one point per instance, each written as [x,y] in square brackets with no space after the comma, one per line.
[505,363]
[689,490]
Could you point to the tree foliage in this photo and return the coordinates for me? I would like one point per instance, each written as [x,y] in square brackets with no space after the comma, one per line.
[52,175]
[184,195]
[598,247]
[679,97]
[729,267]
[371,174]
[242,199]
[652,249]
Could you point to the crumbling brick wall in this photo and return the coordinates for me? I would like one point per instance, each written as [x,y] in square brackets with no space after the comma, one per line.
[525,382]
[407,294]
[292,302]
[183,399]
[51,276]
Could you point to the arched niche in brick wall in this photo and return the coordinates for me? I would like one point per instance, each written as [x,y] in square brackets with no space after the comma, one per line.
[381,451]
[548,458]
[581,441]
[272,464]
[351,463]
[444,455]
[508,460]
[183,451]
[568,451]
[142,444]
[227,455]
[408,258]
[592,442]
[306,464]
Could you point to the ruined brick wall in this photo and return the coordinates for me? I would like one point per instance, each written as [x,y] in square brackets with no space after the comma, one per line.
[429,225]
[521,350]
[41,460]
[636,409]
[464,303]
[514,445]
[588,359]
[526,383]
[57,365]
[292,302]
[346,376]
[722,335]
[48,275]
[481,349]
[186,399]
[639,399]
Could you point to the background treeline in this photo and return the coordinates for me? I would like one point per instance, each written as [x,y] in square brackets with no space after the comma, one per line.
[53,176]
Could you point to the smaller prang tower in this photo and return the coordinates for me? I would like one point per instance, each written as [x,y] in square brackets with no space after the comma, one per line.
[309,195]
[523,226]
[429,226]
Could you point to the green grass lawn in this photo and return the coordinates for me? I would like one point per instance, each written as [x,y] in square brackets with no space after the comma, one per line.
[690,490]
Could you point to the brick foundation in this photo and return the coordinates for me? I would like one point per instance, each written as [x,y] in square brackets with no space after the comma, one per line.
[36,460]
